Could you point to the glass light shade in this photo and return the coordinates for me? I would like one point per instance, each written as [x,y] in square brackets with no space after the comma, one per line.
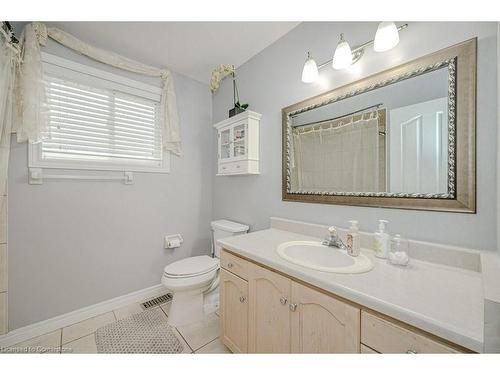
[342,57]
[310,70]
[387,37]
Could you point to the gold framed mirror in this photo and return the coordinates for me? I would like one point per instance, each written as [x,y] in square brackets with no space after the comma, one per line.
[402,138]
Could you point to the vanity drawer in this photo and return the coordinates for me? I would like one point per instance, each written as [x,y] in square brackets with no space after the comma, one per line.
[387,337]
[234,264]
[232,167]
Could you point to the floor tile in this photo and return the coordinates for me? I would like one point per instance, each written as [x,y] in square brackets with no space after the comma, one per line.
[187,349]
[48,343]
[166,307]
[213,347]
[126,311]
[201,333]
[86,327]
[82,345]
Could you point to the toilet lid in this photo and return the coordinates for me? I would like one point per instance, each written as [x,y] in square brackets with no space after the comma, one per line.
[192,266]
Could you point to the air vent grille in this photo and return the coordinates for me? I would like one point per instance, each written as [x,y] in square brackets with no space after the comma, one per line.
[157,301]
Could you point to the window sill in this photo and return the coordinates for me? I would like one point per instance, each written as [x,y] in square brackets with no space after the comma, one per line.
[35,161]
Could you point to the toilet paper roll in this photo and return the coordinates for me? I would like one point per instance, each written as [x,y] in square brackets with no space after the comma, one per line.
[174,243]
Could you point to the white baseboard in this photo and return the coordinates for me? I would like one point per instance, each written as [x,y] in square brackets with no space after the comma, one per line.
[61,321]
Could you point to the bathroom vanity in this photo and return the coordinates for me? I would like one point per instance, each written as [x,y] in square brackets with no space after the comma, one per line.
[270,305]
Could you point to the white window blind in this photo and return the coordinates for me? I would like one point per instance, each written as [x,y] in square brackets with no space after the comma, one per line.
[99,120]
[98,124]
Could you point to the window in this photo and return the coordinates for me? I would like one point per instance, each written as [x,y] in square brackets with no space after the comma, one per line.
[99,120]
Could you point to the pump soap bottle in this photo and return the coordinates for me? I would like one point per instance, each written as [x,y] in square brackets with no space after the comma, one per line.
[353,243]
[381,240]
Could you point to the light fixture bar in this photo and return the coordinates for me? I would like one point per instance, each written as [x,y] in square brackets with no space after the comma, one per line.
[358,51]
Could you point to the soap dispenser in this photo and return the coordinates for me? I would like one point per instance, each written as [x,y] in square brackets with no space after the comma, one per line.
[353,242]
[381,240]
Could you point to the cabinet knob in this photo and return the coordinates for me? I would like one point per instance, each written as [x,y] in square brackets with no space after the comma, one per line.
[230,265]
[411,351]
[283,300]
[242,299]
[293,306]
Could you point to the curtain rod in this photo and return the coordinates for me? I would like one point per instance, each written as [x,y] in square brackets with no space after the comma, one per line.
[8,28]
[338,117]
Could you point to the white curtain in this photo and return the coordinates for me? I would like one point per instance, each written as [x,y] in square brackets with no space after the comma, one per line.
[9,64]
[337,157]
[32,122]
[36,34]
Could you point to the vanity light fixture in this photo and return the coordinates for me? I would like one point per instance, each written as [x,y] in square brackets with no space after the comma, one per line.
[342,57]
[310,71]
[386,37]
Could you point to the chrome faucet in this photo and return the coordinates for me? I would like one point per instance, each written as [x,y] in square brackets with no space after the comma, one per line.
[333,240]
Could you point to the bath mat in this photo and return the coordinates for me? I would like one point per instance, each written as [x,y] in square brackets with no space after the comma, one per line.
[146,332]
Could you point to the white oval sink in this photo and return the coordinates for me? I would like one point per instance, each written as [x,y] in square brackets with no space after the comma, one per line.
[314,255]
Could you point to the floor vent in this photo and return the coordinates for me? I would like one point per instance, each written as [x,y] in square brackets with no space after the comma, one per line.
[157,301]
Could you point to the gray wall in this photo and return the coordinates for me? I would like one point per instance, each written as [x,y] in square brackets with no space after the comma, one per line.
[271,81]
[77,243]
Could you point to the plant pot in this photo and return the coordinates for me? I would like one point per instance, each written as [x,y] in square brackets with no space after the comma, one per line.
[234,111]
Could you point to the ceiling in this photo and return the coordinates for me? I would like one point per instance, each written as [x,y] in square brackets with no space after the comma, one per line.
[190,48]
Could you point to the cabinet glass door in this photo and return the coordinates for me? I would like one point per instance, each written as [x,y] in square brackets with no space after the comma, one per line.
[239,140]
[225,144]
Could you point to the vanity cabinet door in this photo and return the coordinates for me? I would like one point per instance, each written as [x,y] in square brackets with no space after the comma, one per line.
[269,314]
[322,324]
[233,312]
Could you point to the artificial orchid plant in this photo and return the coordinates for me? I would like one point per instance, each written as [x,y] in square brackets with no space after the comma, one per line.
[221,72]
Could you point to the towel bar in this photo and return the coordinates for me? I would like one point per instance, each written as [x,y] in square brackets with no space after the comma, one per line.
[36,177]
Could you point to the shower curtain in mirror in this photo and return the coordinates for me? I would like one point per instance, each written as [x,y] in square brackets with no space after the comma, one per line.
[337,156]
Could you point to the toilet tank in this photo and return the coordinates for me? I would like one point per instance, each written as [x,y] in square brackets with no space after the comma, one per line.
[226,228]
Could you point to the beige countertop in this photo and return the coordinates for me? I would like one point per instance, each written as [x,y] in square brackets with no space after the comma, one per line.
[443,300]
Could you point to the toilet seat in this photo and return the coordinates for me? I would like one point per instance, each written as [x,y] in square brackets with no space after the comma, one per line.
[191,267]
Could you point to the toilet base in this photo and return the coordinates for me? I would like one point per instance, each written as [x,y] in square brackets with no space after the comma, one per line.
[192,306]
[211,302]
[186,308]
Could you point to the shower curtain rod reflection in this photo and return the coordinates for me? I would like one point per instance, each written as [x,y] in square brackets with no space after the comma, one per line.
[339,117]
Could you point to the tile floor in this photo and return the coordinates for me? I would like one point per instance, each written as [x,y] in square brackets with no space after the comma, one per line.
[201,337]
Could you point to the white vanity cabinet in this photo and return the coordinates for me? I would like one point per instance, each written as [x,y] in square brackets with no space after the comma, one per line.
[238,144]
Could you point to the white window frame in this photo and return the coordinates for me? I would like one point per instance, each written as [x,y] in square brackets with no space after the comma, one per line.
[70,70]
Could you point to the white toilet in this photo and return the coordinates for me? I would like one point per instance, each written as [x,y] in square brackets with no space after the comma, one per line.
[194,281]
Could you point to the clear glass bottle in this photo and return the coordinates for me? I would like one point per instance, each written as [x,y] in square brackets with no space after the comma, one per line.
[399,251]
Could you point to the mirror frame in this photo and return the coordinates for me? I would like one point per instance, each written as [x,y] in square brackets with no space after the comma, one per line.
[461,60]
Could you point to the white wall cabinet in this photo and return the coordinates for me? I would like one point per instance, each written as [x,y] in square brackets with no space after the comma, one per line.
[238,144]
